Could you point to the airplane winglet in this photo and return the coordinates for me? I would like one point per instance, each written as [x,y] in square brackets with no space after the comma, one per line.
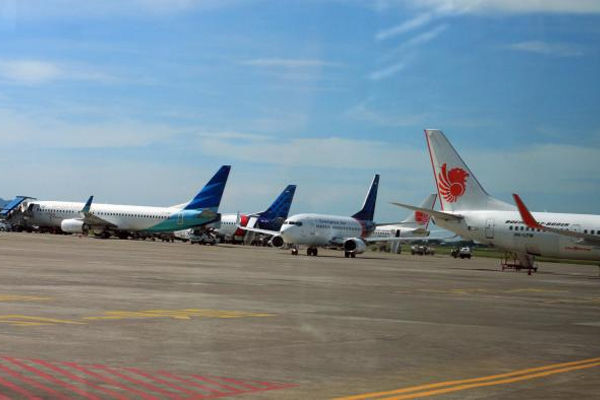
[528,219]
[88,205]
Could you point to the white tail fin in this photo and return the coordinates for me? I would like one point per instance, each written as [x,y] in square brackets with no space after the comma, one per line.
[418,218]
[457,186]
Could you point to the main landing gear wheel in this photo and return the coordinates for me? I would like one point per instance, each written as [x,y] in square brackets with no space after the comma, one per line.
[294,251]
[311,251]
[349,254]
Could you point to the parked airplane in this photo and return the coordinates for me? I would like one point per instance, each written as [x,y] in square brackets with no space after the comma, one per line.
[319,230]
[103,219]
[414,225]
[468,210]
[272,218]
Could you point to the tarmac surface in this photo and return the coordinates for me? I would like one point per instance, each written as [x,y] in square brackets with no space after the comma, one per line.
[89,318]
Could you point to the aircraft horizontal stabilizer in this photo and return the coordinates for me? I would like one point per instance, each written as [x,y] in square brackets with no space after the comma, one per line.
[436,214]
[401,239]
[532,223]
[256,230]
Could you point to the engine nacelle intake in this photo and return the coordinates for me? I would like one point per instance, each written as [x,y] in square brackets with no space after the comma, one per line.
[73,226]
[355,245]
[277,241]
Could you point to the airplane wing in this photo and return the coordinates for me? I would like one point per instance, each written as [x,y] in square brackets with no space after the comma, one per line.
[395,239]
[531,222]
[256,230]
[436,214]
[91,219]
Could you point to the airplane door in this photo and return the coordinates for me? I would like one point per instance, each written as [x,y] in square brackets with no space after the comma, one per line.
[489,228]
[180,218]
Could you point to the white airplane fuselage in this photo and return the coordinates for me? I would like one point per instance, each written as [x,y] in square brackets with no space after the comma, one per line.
[390,231]
[124,217]
[506,230]
[316,230]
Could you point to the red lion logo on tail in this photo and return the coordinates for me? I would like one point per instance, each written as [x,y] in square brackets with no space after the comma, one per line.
[452,183]
[421,218]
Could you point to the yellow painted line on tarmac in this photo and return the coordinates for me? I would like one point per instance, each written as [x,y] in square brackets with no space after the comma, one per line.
[185,314]
[419,391]
[28,320]
[16,297]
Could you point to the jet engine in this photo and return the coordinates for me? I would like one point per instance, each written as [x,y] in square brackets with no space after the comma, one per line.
[355,245]
[73,226]
[277,241]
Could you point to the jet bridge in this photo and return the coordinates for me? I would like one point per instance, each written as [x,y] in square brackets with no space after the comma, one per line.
[15,211]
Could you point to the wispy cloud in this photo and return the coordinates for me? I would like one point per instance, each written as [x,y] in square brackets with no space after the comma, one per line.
[331,152]
[388,71]
[424,37]
[550,49]
[412,24]
[405,53]
[291,63]
[362,112]
[36,72]
[43,131]
[42,9]
[501,6]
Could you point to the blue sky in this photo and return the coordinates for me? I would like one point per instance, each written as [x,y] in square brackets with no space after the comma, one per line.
[141,101]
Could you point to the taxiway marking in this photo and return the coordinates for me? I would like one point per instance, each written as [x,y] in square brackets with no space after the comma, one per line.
[185,314]
[433,389]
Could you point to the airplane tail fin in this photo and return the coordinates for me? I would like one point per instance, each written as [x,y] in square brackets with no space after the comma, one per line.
[210,195]
[418,218]
[368,209]
[457,186]
[281,206]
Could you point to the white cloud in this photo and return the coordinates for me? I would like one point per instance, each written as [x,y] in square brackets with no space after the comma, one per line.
[497,6]
[407,51]
[388,71]
[40,9]
[362,112]
[37,72]
[29,71]
[545,48]
[41,131]
[424,37]
[331,152]
[414,23]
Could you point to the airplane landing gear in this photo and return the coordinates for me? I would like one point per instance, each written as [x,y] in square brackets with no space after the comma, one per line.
[349,254]
[312,251]
[294,251]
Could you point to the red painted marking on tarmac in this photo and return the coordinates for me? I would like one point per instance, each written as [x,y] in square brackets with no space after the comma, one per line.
[137,381]
[75,378]
[231,389]
[161,381]
[17,389]
[191,383]
[50,378]
[236,382]
[32,382]
[70,379]
[109,381]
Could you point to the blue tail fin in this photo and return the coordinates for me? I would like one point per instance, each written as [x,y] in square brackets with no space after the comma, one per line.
[281,206]
[368,210]
[210,195]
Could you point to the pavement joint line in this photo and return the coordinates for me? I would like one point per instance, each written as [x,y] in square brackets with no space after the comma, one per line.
[464,384]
